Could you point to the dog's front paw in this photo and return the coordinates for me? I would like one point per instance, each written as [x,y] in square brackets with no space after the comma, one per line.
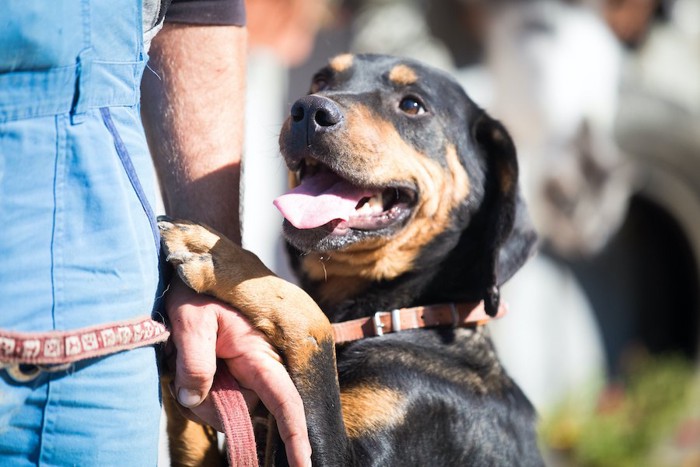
[188,247]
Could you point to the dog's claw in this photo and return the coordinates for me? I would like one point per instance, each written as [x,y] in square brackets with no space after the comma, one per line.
[179,257]
[164,224]
[492,301]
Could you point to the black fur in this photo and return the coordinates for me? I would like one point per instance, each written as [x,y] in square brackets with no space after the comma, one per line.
[461,406]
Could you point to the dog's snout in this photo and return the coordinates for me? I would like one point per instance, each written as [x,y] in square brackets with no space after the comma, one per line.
[315,114]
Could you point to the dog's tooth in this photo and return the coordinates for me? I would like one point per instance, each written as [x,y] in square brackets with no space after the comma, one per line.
[363,207]
[376,202]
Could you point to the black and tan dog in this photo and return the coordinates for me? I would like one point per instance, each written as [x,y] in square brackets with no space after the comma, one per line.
[406,195]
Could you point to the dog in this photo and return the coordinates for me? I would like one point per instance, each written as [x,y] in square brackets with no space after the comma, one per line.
[406,198]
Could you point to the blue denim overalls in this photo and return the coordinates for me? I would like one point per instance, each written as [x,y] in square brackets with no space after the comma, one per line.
[78,241]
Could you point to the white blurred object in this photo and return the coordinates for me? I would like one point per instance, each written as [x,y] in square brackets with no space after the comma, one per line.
[264,175]
[556,71]
[552,77]
[549,342]
[667,65]
[398,28]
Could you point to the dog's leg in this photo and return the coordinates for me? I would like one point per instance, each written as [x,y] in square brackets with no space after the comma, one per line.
[210,263]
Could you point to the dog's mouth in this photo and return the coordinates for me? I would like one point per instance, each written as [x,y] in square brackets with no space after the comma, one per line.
[323,199]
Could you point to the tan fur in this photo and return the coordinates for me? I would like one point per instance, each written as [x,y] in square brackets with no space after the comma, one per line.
[342,62]
[289,318]
[403,75]
[191,444]
[292,179]
[379,157]
[338,291]
[507,176]
[370,408]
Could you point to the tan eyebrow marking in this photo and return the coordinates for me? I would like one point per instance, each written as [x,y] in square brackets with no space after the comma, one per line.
[342,62]
[403,75]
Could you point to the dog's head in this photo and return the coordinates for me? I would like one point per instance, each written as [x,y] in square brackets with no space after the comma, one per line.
[397,172]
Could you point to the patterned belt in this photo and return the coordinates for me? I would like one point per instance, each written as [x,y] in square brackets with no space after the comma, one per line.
[25,355]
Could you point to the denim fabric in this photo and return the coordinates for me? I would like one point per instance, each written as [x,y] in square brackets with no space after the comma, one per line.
[77,246]
[101,413]
[68,56]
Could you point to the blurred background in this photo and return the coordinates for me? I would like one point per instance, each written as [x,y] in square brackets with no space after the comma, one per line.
[602,98]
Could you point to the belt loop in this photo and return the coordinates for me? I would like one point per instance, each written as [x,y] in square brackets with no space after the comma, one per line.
[81,99]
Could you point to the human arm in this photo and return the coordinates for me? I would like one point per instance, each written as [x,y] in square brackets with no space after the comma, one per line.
[193,114]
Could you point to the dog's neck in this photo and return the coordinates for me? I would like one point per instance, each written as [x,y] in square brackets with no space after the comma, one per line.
[350,285]
[343,297]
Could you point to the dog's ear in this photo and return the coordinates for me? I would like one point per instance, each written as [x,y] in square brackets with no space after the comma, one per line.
[508,236]
[496,237]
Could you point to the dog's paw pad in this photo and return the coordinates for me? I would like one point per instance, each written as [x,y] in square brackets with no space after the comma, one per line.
[188,247]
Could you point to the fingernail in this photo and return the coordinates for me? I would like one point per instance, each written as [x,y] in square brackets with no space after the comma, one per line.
[308,463]
[189,398]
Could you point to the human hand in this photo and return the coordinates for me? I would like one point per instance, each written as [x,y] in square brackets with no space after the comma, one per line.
[204,330]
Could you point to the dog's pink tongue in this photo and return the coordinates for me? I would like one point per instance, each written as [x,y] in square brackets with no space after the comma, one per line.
[320,199]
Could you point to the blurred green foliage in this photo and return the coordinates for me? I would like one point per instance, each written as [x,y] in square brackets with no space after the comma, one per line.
[630,421]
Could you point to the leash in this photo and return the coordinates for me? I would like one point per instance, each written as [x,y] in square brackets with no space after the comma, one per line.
[384,322]
[233,415]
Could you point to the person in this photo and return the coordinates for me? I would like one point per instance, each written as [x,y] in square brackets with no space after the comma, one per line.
[80,244]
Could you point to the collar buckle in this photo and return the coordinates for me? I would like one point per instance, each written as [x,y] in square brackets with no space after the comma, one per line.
[377,323]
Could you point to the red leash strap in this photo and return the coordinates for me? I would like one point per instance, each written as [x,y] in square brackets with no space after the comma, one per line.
[233,415]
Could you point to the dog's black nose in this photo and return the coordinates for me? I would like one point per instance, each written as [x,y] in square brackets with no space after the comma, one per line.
[315,114]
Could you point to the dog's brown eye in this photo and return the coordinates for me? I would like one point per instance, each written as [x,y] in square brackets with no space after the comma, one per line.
[318,84]
[411,106]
